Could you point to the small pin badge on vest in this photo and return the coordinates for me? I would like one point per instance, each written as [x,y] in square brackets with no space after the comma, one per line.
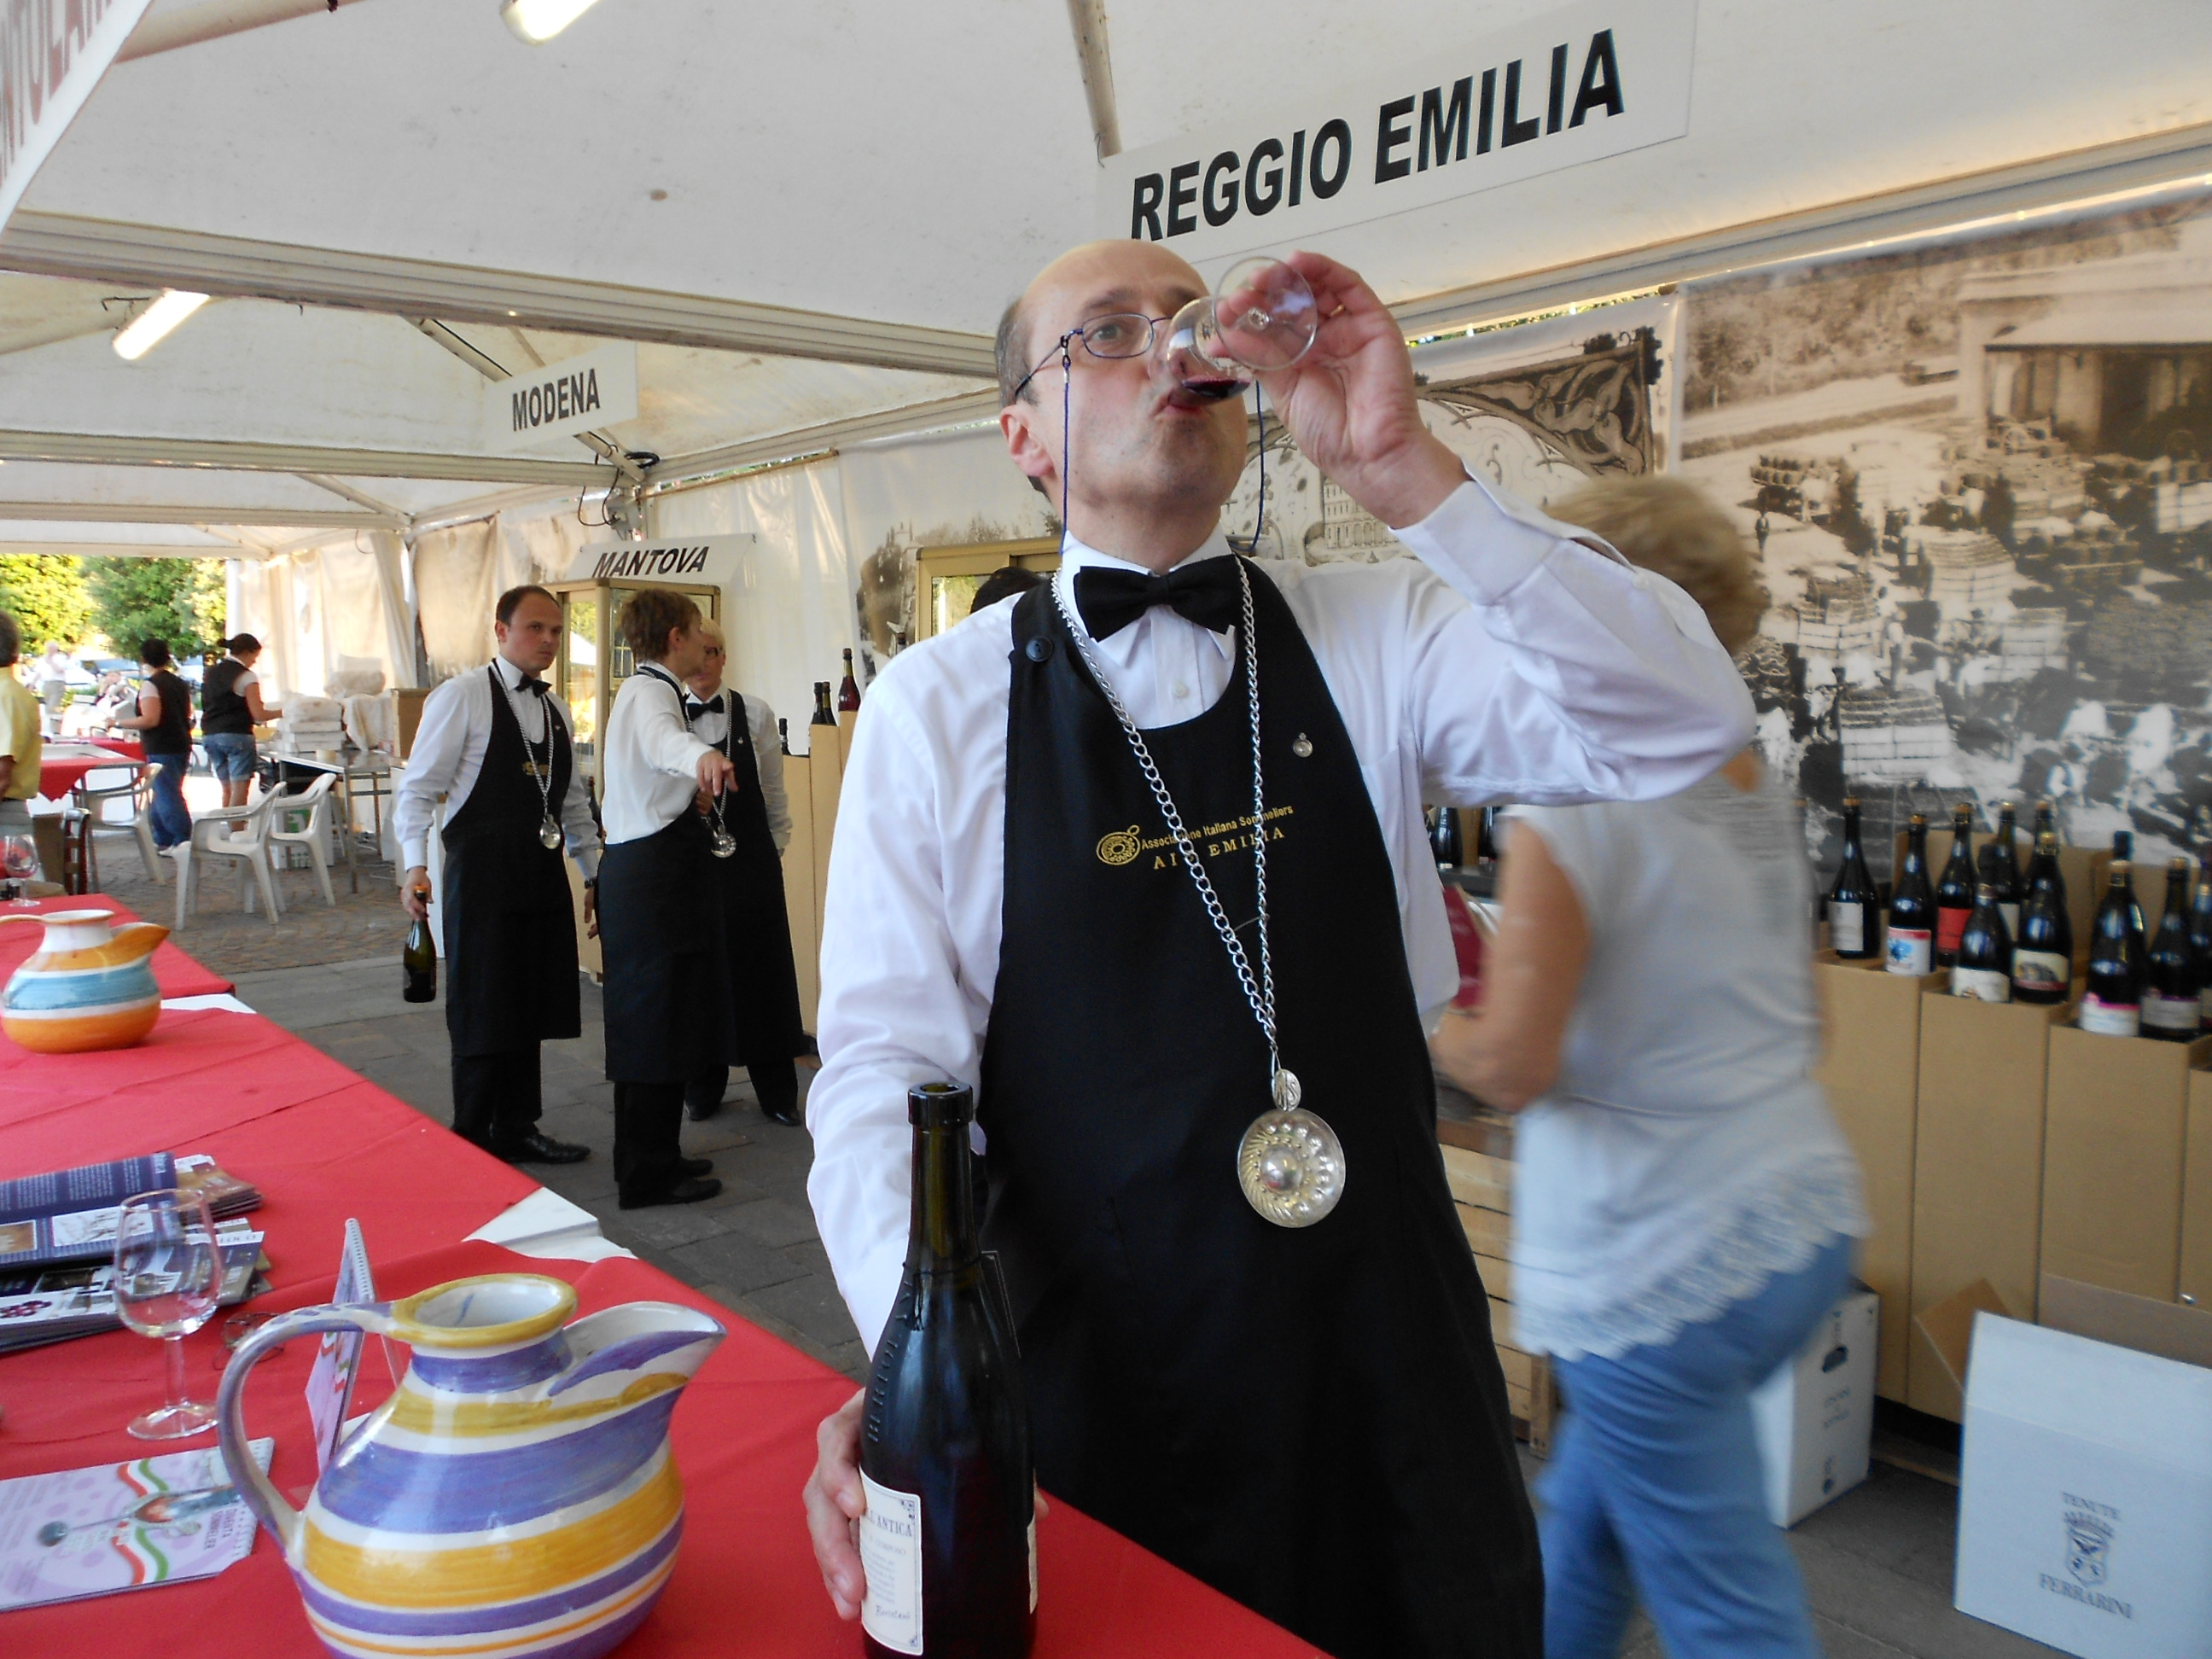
[1301,746]
[1291,1163]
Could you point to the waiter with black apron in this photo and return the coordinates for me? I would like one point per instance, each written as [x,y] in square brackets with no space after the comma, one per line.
[1141,855]
[667,970]
[500,747]
[748,878]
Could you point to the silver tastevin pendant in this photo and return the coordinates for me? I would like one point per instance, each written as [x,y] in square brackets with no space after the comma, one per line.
[549,835]
[1290,1162]
[719,841]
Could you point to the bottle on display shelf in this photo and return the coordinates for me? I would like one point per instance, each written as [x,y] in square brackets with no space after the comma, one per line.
[949,1541]
[2199,932]
[824,714]
[1853,904]
[1954,888]
[849,691]
[2043,949]
[2043,862]
[2124,852]
[1910,947]
[783,734]
[1984,969]
[1444,836]
[2173,974]
[2112,1004]
[1998,864]
[418,961]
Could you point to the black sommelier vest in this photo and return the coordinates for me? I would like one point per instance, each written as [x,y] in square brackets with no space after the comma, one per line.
[1313,1421]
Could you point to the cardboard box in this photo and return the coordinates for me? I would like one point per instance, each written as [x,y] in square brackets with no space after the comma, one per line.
[1870,1069]
[407,707]
[1814,1416]
[2196,1278]
[1478,1158]
[2085,1513]
[1978,1166]
[799,887]
[2116,1129]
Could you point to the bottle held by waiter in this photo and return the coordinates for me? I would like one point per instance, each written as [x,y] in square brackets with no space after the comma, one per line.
[500,747]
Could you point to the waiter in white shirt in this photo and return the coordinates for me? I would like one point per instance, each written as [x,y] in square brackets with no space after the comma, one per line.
[748,879]
[667,974]
[1309,1417]
[500,749]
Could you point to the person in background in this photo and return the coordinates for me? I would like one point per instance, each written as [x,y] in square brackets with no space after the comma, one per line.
[756,937]
[53,684]
[1004,585]
[165,720]
[668,996]
[21,748]
[113,696]
[1683,1205]
[230,708]
[500,748]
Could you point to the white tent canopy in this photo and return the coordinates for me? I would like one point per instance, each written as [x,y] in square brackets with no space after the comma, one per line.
[808,218]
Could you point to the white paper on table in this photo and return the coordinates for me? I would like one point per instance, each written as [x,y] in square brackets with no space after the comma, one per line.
[121,1526]
[549,1227]
[338,1357]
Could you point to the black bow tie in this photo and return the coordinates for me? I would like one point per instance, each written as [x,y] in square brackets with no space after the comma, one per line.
[712,706]
[1206,593]
[535,687]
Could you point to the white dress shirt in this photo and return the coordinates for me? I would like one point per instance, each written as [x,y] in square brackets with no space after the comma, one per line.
[650,759]
[1507,663]
[449,751]
[708,725]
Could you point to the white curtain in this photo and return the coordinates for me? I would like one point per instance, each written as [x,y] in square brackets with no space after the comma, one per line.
[456,581]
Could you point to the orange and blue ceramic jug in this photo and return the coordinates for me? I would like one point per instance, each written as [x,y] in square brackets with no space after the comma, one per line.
[88,985]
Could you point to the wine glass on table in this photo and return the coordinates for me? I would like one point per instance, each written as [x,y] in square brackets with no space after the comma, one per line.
[168,1273]
[19,862]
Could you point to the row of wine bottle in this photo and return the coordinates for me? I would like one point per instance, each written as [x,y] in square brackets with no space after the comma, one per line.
[2005,935]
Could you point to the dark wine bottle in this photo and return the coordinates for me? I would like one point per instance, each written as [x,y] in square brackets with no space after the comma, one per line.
[1954,889]
[783,734]
[2043,862]
[2043,951]
[849,692]
[2123,853]
[949,1541]
[1853,903]
[1984,969]
[2113,1004]
[1444,836]
[1910,947]
[418,961]
[824,714]
[2173,981]
[2200,933]
[1998,864]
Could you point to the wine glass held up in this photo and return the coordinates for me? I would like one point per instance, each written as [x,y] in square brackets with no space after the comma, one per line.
[168,1273]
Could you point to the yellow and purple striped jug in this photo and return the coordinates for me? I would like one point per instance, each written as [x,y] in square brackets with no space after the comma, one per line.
[515,1498]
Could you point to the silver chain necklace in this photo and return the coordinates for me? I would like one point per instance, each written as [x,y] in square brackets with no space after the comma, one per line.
[719,841]
[1290,1162]
[549,828]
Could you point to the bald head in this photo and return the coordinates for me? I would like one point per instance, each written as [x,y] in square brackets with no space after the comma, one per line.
[1115,275]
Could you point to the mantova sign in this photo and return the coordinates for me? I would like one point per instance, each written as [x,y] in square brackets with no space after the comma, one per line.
[1591,81]
[53,53]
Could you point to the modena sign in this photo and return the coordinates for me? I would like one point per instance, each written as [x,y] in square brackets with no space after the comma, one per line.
[598,389]
[1594,80]
[53,53]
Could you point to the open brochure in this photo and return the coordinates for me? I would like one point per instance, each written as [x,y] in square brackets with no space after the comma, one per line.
[70,1215]
[40,1305]
[121,1527]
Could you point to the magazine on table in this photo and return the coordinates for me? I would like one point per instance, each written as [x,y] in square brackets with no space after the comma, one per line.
[43,1305]
[70,1215]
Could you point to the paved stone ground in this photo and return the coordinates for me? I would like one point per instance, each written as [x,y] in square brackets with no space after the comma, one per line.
[1877,1562]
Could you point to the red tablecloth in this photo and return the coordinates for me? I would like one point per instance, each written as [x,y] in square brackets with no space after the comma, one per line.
[324,1145]
[59,774]
[176,974]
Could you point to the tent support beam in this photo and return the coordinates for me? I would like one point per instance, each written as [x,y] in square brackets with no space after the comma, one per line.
[679,470]
[224,456]
[150,257]
[346,491]
[1087,18]
[303,518]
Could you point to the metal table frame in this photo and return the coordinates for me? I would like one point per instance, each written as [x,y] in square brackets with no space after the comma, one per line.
[360,775]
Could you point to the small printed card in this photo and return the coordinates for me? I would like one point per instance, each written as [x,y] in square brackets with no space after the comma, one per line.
[329,1384]
[121,1527]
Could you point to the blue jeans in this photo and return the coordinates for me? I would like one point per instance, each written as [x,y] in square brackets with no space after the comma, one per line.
[231,755]
[1656,1491]
[173,825]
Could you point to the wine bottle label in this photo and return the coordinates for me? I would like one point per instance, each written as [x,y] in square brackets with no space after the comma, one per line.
[1846,925]
[1910,950]
[2171,1013]
[2011,914]
[1982,984]
[2041,970]
[890,1554]
[1950,927]
[2111,1019]
[2206,1000]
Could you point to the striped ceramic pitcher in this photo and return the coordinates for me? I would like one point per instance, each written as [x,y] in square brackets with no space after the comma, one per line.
[515,1497]
[88,985]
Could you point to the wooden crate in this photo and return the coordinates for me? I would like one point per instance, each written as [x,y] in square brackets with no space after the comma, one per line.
[1479,1166]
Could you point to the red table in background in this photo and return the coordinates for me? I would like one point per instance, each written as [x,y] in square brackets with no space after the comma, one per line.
[176,974]
[324,1143]
[59,776]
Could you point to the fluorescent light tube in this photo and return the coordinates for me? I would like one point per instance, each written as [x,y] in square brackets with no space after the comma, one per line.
[154,325]
[537,21]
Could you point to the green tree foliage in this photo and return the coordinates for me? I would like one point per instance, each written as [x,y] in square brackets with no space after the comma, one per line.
[46,593]
[178,600]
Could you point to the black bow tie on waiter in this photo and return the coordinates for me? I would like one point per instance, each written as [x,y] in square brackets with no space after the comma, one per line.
[712,706]
[1206,593]
[535,687]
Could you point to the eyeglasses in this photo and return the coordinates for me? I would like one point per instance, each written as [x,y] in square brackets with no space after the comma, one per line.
[1116,334]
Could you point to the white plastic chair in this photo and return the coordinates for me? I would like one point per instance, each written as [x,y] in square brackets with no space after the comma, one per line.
[232,832]
[137,791]
[315,837]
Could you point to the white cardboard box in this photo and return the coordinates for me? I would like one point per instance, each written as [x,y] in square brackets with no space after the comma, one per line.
[1816,1415]
[2085,1513]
